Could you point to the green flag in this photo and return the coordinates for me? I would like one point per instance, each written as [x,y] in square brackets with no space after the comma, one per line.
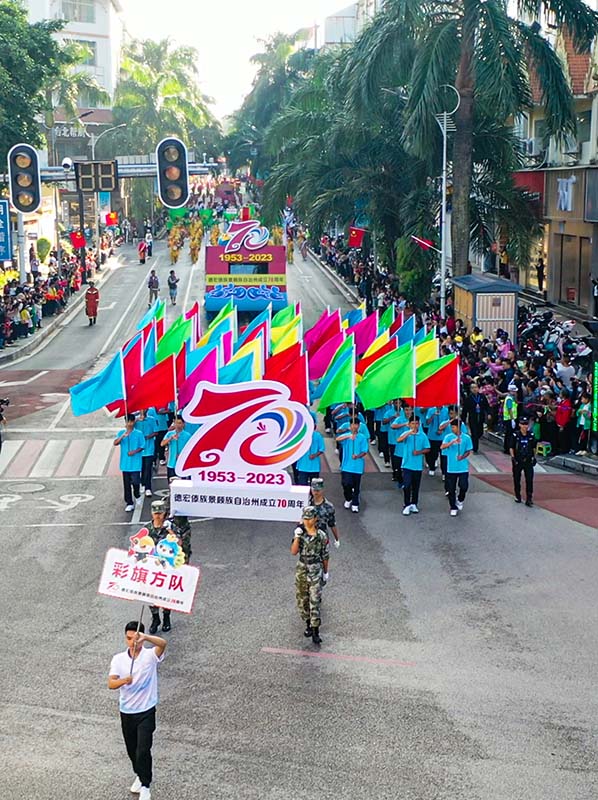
[390,377]
[341,388]
[345,347]
[174,338]
[284,316]
[224,312]
[387,318]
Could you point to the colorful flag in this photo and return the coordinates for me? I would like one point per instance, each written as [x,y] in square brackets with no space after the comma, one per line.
[261,322]
[378,342]
[132,360]
[224,312]
[365,332]
[254,348]
[407,330]
[111,218]
[320,360]
[194,315]
[156,387]
[330,327]
[396,325]
[393,376]
[279,332]
[152,313]
[214,334]
[288,339]
[98,391]
[77,240]
[295,377]
[312,333]
[425,244]
[356,236]
[205,370]
[341,386]
[438,382]
[387,318]
[355,315]
[240,371]
[174,338]
[427,351]
[366,361]
[284,316]
[280,361]
[344,352]
[196,355]
[149,349]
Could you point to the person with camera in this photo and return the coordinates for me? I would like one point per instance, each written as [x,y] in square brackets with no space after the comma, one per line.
[523,459]
[310,543]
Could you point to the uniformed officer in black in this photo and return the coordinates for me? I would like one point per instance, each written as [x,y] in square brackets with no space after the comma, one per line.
[523,458]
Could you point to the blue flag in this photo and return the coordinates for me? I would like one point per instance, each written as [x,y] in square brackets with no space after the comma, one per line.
[149,350]
[329,376]
[99,390]
[253,325]
[407,331]
[237,372]
[152,313]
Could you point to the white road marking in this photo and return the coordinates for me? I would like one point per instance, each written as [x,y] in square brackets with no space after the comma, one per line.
[49,459]
[23,383]
[66,502]
[63,409]
[107,308]
[481,464]
[95,463]
[10,448]
[137,511]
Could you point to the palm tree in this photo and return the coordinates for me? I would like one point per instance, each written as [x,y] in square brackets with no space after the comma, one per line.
[488,55]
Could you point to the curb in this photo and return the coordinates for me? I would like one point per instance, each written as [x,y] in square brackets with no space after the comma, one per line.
[50,327]
[580,464]
[349,293]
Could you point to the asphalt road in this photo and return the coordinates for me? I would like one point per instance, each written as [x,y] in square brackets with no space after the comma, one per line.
[458,660]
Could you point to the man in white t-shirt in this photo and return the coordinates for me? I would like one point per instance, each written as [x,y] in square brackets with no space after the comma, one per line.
[135,673]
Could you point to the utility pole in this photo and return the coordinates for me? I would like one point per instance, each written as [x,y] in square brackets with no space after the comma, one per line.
[446,124]
[82,253]
[21,246]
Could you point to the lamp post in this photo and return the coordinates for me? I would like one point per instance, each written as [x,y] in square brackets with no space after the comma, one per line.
[93,141]
[446,124]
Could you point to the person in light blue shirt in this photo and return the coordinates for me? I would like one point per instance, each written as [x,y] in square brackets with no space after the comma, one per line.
[457,446]
[161,415]
[308,466]
[388,414]
[355,448]
[435,418]
[445,427]
[148,427]
[415,446]
[132,444]
[175,440]
[399,425]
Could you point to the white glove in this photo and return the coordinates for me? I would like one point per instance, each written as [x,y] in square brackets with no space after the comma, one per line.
[298,531]
[337,543]
[326,577]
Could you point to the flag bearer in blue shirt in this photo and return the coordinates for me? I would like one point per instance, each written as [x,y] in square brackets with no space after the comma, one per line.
[457,446]
[308,466]
[415,446]
[175,440]
[132,443]
[354,449]
[435,417]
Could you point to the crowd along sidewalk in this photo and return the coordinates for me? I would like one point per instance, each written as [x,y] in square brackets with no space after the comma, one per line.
[50,325]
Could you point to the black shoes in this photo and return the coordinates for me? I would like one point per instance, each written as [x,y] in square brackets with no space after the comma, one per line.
[315,636]
[166,622]
[517,499]
[155,624]
[529,503]
[308,631]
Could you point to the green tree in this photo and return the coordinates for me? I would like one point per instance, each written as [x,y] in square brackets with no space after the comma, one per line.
[488,55]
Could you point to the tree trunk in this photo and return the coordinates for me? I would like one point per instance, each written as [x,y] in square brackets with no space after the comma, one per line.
[463,151]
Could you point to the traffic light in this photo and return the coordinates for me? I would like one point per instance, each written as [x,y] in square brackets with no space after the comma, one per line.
[173,177]
[96,176]
[24,178]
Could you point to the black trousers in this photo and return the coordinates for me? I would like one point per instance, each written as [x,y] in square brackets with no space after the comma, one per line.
[147,464]
[528,470]
[452,480]
[476,430]
[397,471]
[131,481]
[138,731]
[508,436]
[351,482]
[383,445]
[369,420]
[412,479]
[304,478]
[159,451]
[432,455]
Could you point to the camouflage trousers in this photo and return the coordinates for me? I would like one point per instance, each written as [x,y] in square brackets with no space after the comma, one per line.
[308,594]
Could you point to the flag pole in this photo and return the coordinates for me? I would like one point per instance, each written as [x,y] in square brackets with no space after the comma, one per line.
[136,635]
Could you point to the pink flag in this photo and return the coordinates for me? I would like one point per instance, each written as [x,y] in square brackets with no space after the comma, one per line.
[206,370]
[311,336]
[319,361]
[226,347]
[330,328]
[365,332]
[193,314]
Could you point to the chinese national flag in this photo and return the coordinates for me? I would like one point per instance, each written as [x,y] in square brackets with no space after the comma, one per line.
[112,218]
[77,240]
[356,236]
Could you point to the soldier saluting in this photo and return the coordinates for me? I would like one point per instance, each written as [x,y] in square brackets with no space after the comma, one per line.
[324,508]
[523,458]
[310,543]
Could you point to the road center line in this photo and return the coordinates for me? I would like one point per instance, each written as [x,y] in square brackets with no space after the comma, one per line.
[389,662]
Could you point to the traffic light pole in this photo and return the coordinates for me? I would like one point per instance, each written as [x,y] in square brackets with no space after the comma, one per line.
[82,252]
[21,246]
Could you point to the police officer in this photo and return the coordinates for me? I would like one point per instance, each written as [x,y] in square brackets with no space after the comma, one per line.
[325,509]
[158,529]
[310,543]
[523,458]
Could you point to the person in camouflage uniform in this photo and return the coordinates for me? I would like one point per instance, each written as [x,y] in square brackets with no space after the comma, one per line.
[325,509]
[310,543]
[180,525]
[158,529]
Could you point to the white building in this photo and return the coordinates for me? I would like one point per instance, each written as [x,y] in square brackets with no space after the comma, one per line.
[366,9]
[341,28]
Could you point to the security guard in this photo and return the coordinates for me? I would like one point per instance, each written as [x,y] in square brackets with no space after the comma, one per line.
[523,458]
[325,509]
[310,543]
[158,529]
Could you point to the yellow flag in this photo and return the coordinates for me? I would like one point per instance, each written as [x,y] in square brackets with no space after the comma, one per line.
[427,351]
[290,338]
[379,342]
[279,333]
[254,348]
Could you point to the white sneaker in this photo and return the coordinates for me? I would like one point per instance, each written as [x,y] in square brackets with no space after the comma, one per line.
[406,511]
[130,507]
[459,505]
[432,472]
[381,455]
[139,500]
[355,509]
[328,430]
[148,492]
[162,461]
[347,504]
[414,508]
[337,543]
[454,512]
[144,793]
[136,787]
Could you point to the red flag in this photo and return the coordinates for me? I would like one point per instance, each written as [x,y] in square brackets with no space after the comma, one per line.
[154,388]
[441,387]
[425,244]
[132,361]
[181,366]
[112,218]
[276,364]
[367,361]
[295,377]
[159,328]
[356,236]
[77,240]
[396,324]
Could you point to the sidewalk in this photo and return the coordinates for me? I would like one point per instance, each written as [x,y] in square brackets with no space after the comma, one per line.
[587,465]
[50,325]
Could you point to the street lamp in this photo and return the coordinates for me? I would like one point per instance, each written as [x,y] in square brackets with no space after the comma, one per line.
[446,124]
[93,142]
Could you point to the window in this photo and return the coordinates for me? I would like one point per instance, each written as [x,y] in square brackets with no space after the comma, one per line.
[584,123]
[92,51]
[79,10]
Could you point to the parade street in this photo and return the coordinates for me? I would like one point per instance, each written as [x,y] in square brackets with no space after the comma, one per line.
[458,655]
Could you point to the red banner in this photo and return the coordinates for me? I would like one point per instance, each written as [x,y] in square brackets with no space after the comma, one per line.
[112,218]
[77,240]
[356,236]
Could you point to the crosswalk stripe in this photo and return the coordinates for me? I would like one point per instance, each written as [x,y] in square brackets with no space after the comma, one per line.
[114,464]
[9,450]
[26,457]
[73,458]
[480,464]
[95,462]
[49,459]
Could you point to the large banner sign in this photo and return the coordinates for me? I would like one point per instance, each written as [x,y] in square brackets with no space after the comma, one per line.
[149,573]
[234,464]
[247,269]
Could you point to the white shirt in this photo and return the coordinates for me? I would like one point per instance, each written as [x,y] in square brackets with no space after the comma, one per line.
[142,694]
